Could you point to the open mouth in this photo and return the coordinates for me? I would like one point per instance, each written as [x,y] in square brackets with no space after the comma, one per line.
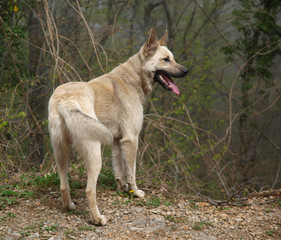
[166,81]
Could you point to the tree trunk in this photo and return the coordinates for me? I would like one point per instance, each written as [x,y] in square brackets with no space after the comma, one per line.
[36,96]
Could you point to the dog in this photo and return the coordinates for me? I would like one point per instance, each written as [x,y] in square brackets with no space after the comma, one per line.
[109,110]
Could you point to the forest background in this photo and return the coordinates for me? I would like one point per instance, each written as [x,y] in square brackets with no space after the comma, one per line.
[221,138]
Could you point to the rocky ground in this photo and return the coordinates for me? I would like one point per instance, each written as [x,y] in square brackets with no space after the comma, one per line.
[159,216]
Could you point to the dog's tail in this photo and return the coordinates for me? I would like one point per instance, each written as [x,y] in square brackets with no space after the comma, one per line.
[83,126]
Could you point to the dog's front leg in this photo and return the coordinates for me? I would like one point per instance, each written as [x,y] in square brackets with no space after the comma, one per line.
[129,147]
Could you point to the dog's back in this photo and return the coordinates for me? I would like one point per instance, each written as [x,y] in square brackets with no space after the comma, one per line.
[69,120]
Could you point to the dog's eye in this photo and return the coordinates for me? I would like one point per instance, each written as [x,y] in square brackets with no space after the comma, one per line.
[166,59]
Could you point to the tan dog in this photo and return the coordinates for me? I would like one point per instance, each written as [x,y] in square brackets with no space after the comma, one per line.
[109,110]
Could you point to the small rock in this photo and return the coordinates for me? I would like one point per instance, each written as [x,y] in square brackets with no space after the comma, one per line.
[16,235]
[239,219]
[163,207]
[180,205]
[203,236]
[178,214]
[224,216]
[149,224]
[137,209]
[110,211]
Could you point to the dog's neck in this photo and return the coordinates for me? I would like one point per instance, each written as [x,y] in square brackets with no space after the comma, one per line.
[142,78]
[145,78]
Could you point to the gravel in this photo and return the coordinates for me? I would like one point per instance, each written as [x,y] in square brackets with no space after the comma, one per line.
[169,218]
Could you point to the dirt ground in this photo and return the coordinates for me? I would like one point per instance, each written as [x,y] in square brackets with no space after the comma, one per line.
[156,217]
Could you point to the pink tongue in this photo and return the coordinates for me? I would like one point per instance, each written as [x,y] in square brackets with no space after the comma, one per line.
[174,87]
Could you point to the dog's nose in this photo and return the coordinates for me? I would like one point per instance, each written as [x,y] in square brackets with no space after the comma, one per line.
[185,70]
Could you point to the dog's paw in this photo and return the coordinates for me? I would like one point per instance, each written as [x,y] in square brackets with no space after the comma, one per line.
[125,188]
[121,185]
[101,221]
[139,193]
[70,206]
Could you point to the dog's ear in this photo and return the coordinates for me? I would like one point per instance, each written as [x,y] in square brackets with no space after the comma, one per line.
[151,43]
[163,39]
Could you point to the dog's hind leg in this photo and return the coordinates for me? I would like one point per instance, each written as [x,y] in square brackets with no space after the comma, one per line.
[91,153]
[61,152]
[61,146]
[119,166]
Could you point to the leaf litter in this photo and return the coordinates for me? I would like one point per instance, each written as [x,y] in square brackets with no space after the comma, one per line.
[157,217]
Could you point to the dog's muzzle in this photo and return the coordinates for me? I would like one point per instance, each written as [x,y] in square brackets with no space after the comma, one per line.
[165,80]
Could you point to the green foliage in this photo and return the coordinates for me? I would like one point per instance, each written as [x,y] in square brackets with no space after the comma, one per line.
[270,233]
[153,202]
[258,23]
[5,127]
[170,218]
[86,228]
[107,179]
[185,138]
[12,48]
[52,228]
[25,231]
[47,181]
[9,195]
[11,215]
[198,226]
[255,50]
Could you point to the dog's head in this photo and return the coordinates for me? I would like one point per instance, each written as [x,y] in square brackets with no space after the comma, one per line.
[159,62]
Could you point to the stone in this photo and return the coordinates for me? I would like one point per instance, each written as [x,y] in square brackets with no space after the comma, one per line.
[16,235]
[203,236]
[149,224]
